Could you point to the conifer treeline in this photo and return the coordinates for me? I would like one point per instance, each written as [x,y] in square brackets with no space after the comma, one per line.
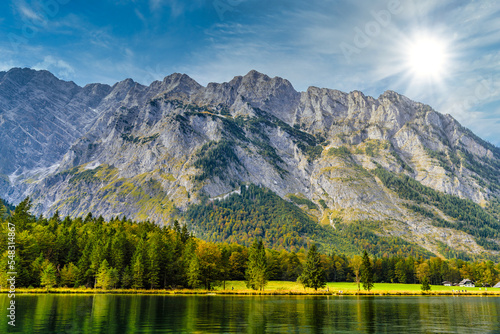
[123,254]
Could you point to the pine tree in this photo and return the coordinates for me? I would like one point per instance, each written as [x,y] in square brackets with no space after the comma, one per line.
[127,278]
[257,266]
[313,275]
[184,234]
[48,276]
[193,272]
[154,258]
[69,274]
[138,268]
[425,284]
[114,277]
[366,272]
[103,276]
[21,217]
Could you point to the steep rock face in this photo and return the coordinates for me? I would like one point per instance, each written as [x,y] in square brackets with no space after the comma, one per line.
[417,134]
[40,116]
[148,152]
[275,95]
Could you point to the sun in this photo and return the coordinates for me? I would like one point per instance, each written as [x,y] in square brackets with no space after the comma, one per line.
[427,58]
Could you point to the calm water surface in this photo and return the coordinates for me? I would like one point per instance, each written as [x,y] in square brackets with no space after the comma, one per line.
[251,314]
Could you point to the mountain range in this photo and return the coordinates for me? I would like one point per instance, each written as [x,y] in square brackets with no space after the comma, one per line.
[391,166]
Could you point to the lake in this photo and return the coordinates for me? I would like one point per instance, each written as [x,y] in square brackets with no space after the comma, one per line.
[251,314]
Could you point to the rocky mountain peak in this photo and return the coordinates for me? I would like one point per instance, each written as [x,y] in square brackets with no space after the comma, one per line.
[275,95]
[42,80]
[178,82]
[124,84]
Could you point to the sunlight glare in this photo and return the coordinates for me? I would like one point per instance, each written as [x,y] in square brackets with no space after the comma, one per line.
[427,58]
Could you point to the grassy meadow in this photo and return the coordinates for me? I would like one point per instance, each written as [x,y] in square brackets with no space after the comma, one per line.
[285,288]
[351,288]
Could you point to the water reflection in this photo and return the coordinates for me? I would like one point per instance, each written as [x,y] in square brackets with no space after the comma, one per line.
[258,314]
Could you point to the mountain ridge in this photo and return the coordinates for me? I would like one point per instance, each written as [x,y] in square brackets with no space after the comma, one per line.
[150,152]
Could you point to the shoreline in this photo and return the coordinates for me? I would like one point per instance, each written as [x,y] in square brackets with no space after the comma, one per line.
[279,292]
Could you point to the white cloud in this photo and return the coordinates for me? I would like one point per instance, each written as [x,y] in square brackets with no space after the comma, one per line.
[57,66]
[7,65]
[29,12]
[177,7]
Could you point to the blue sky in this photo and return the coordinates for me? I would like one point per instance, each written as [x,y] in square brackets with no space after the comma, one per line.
[370,46]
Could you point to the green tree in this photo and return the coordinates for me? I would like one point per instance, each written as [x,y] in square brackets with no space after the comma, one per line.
[423,272]
[355,264]
[154,258]
[127,278]
[209,263]
[48,276]
[313,275]
[21,216]
[104,279]
[138,267]
[114,277]
[193,272]
[366,272]
[238,264]
[257,266]
[425,284]
[400,271]
[69,275]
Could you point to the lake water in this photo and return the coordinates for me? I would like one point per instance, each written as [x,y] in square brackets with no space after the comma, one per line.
[251,314]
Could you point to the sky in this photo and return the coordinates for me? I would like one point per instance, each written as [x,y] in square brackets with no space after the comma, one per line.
[442,53]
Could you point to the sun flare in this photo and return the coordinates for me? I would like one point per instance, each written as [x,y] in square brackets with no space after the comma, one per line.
[427,58]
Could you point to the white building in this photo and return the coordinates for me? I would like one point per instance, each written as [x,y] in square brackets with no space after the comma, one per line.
[467,283]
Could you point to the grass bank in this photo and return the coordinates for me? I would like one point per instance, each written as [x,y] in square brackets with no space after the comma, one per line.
[283,288]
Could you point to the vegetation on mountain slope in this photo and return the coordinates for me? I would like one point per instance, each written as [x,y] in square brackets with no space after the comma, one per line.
[469,216]
[260,213]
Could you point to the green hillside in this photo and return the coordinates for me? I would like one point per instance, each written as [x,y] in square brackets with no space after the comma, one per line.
[259,213]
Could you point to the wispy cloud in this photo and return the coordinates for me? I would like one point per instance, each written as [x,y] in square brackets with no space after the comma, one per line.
[29,12]
[7,65]
[176,7]
[56,66]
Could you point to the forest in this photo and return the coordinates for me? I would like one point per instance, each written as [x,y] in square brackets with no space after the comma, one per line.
[260,213]
[120,253]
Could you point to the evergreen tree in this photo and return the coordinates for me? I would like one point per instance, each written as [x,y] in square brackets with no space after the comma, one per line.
[366,272]
[184,234]
[114,277]
[400,271]
[313,275]
[193,272]
[154,252]
[119,253]
[69,275]
[48,276]
[138,269]
[257,266]
[102,276]
[425,284]
[21,216]
[127,278]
